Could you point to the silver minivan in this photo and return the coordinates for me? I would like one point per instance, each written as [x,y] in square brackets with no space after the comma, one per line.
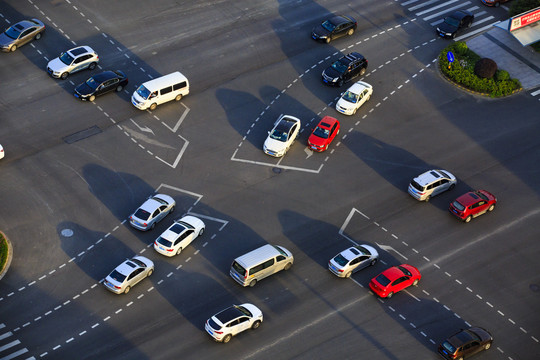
[260,263]
[431,183]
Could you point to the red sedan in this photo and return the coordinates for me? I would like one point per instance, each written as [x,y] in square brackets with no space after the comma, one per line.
[473,204]
[323,134]
[395,279]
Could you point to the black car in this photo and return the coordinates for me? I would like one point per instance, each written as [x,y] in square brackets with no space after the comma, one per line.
[333,28]
[100,84]
[455,23]
[465,343]
[345,69]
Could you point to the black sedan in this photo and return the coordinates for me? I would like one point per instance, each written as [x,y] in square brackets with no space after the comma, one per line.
[100,84]
[455,23]
[333,28]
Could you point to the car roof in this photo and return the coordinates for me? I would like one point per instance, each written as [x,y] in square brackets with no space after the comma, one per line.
[75,52]
[340,19]
[24,24]
[173,231]
[468,198]
[393,273]
[358,87]
[126,267]
[350,57]
[462,338]
[150,205]
[428,177]
[104,76]
[327,122]
[286,123]
[460,14]
[229,314]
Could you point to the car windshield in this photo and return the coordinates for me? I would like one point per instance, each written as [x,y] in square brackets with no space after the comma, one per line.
[143,92]
[117,276]
[138,262]
[458,206]
[449,347]
[484,197]
[328,25]
[350,97]
[92,83]
[341,260]
[383,280]
[405,271]
[322,133]
[362,249]
[279,135]
[66,58]
[452,21]
[12,33]
[339,67]
[164,242]
[142,214]
[160,200]
[244,310]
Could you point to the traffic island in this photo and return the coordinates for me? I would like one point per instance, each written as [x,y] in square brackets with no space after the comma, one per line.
[457,64]
[6,254]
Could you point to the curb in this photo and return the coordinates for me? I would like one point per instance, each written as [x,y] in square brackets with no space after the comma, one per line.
[4,270]
[472,91]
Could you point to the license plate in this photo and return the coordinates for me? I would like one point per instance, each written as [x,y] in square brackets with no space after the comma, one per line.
[76,95]
[161,247]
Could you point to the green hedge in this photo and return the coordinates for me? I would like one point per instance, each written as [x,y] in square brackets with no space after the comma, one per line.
[3,251]
[461,71]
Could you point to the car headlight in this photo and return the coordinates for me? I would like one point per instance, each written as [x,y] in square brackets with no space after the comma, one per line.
[334,79]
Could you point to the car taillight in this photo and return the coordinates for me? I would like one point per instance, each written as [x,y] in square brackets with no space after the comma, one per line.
[169,249]
[145,224]
[118,287]
[340,270]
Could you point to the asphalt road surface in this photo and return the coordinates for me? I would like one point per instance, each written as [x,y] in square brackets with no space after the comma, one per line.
[74,171]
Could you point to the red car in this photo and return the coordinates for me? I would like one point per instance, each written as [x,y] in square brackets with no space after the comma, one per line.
[395,279]
[473,204]
[323,134]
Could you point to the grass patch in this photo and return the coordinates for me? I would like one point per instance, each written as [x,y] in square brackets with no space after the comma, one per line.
[3,251]
[461,71]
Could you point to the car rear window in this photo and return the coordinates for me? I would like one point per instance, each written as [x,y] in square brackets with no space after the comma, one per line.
[448,347]
[340,260]
[383,280]
[238,268]
[142,214]
[417,186]
[458,206]
[117,276]
[164,242]
[213,324]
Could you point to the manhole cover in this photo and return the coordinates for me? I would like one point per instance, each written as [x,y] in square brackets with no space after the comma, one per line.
[276,170]
[67,233]
[534,287]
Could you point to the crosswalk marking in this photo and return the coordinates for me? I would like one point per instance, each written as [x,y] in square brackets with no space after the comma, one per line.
[534,93]
[445,11]
[440,6]
[9,348]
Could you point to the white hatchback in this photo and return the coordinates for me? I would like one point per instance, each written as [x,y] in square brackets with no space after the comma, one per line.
[179,235]
[76,59]
[232,321]
[354,97]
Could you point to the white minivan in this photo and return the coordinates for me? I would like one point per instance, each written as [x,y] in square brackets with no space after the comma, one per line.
[160,90]
[254,266]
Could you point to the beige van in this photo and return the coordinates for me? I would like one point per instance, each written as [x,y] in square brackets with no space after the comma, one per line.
[260,263]
[160,90]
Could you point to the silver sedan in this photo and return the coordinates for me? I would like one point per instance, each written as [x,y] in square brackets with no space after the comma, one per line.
[353,259]
[152,211]
[128,274]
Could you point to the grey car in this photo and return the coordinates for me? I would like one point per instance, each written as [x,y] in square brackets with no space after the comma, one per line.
[353,259]
[21,33]
[152,211]
[128,274]
[73,60]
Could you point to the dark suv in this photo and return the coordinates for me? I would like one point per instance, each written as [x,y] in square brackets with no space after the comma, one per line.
[345,69]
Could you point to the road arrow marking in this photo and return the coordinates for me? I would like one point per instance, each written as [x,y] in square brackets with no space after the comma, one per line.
[144,128]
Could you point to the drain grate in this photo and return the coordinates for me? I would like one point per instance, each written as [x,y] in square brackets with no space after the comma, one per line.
[83,134]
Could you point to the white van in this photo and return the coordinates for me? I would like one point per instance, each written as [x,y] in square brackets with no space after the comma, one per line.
[260,263]
[160,90]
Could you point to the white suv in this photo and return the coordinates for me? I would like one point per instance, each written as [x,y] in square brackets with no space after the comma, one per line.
[76,59]
[431,183]
[232,321]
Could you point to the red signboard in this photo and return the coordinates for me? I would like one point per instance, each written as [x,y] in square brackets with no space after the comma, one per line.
[519,21]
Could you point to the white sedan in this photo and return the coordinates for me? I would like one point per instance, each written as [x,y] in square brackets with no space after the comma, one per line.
[281,137]
[152,211]
[1,152]
[179,235]
[354,97]
[128,274]
[353,259]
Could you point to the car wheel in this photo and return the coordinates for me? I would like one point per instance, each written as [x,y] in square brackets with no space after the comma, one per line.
[363,71]
[491,207]
[38,36]
[288,266]
[348,275]
[256,325]
[328,40]
[453,35]
[427,198]
[92,98]
[178,97]
[127,289]
[178,251]
[227,338]
[415,282]
[119,88]
[487,346]
[340,83]
[64,76]
[354,111]
[469,24]
[326,147]
[468,219]
[369,97]
[350,32]
[452,187]
[150,272]
[13,48]
[252,283]
[201,232]
[389,295]
[92,66]
[153,106]
[373,262]
[172,210]
[153,226]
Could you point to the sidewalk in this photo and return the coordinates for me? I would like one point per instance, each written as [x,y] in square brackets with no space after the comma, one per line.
[521,62]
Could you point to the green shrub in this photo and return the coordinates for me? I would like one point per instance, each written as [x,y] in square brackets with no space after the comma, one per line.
[502,75]
[3,251]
